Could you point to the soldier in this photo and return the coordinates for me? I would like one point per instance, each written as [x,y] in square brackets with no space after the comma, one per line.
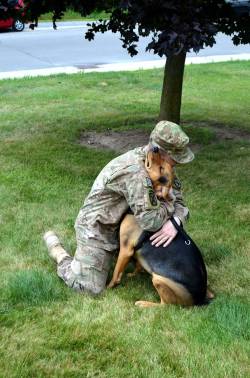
[122,184]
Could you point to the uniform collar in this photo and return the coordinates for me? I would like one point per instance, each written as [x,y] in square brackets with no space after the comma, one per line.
[141,152]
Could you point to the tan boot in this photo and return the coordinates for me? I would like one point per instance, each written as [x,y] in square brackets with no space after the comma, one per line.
[56,250]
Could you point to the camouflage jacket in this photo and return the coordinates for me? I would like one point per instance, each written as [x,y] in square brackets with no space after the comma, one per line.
[122,184]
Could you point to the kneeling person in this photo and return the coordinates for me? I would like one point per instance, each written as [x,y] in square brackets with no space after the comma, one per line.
[124,183]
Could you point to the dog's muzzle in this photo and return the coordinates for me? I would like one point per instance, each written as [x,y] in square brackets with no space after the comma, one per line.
[163,180]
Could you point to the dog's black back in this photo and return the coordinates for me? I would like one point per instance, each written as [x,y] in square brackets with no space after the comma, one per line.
[180,261]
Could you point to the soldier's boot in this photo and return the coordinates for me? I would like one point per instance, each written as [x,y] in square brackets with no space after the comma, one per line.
[55,248]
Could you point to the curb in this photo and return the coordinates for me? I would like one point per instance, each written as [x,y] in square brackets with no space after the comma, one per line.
[115,67]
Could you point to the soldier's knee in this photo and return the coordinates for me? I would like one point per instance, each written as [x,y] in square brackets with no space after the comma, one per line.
[96,290]
[92,287]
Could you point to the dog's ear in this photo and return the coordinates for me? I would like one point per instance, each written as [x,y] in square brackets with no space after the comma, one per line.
[149,160]
[152,157]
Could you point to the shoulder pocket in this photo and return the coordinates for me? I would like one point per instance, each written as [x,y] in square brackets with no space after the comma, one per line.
[176,183]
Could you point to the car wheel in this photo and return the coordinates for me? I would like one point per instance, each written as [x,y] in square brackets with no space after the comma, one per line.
[18,25]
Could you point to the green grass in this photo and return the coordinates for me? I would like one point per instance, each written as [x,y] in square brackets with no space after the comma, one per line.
[70,15]
[49,331]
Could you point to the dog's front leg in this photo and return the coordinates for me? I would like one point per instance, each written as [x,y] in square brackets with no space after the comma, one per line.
[138,269]
[124,257]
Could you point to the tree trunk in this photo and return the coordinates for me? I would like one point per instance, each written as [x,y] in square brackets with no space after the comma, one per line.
[172,88]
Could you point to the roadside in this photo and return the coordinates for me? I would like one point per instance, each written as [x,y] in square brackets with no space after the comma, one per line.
[61,24]
[45,51]
[70,15]
[116,67]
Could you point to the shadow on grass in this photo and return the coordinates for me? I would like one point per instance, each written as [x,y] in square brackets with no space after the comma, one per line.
[134,288]
[32,288]
[216,253]
[231,316]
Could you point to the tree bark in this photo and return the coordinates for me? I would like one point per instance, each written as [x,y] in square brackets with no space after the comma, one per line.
[172,88]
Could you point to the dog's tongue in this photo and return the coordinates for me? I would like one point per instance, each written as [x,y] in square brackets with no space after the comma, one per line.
[159,192]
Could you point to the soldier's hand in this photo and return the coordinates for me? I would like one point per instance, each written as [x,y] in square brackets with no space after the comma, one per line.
[165,235]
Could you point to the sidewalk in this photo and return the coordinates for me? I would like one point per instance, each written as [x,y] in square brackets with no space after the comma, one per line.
[131,66]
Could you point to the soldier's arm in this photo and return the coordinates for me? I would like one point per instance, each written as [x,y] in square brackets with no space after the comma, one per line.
[181,210]
[168,232]
[150,213]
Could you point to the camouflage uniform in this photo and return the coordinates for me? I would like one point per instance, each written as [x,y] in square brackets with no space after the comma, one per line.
[124,183]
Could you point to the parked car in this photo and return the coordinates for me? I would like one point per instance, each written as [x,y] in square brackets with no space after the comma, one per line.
[241,7]
[16,23]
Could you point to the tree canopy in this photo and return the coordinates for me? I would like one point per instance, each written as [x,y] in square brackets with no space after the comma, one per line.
[174,26]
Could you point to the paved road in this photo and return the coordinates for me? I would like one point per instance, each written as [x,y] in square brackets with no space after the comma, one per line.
[46,48]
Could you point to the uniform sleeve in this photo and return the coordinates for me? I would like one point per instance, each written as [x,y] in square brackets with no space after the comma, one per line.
[150,213]
[181,211]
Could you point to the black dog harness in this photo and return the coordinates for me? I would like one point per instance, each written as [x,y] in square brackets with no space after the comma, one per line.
[180,261]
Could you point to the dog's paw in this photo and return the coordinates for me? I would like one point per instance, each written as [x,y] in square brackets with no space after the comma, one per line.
[112,284]
[131,274]
[210,294]
[142,304]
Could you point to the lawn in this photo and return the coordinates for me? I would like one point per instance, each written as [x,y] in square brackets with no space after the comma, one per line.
[49,331]
[70,15]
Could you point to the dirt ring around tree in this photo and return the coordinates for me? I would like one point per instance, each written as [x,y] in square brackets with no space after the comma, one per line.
[122,141]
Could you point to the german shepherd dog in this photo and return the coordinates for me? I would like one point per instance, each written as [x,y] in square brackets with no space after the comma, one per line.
[178,273]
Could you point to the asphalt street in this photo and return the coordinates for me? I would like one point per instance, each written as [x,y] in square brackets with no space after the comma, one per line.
[45,48]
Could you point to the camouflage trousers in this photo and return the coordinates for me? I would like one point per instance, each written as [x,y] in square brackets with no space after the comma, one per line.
[87,274]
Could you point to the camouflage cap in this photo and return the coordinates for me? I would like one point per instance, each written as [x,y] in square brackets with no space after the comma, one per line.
[171,138]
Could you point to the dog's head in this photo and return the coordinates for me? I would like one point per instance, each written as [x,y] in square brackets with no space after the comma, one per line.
[160,172]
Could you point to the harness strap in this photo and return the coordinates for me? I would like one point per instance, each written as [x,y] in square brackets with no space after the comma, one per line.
[146,234]
[142,239]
